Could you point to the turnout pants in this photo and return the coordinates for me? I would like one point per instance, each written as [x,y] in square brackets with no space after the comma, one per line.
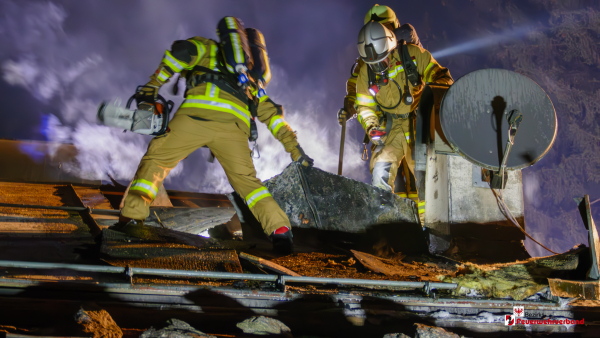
[227,142]
[386,159]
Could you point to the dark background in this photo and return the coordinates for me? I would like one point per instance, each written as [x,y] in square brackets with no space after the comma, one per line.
[60,59]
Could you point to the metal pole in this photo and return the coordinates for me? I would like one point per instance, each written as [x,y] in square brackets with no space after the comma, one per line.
[221,275]
[342,141]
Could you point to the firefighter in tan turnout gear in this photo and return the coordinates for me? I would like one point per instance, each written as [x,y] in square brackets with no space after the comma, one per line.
[225,92]
[387,17]
[387,91]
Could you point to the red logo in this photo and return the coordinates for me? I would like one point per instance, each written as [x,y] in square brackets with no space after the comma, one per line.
[509,320]
[518,311]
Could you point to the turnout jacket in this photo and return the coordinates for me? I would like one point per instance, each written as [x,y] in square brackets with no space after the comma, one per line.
[214,103]
[369,112]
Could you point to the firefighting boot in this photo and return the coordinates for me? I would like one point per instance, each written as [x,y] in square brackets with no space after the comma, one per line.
[282,240]
[124,223]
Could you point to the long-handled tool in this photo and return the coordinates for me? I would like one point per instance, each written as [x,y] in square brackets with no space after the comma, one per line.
[342,141]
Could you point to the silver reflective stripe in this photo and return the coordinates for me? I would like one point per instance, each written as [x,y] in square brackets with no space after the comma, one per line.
[219,104]
[260,193]
[212,90]
[236,47]
[175,63]
[162,76]
[145,186]
[276,123]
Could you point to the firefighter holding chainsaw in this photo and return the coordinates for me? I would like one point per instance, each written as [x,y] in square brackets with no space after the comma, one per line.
[388,89]
[225,93]
[387,17]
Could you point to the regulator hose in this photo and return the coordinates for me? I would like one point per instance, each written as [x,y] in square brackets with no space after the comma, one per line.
[399,100]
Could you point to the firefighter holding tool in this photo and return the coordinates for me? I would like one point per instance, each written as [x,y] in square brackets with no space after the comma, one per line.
[387,17]
[388,89]
[225,93]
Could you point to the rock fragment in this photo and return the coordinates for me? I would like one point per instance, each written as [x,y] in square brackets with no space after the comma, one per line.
[424,331]
[262,326]
[176,329]
[99,323]
[395,335]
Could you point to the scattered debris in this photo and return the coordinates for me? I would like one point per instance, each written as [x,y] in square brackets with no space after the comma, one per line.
[176,329]
[190,220]
[518,280]
[395,335]
[424,331]
[160,235]
[99,323]
[317,264]
[262,326]
[123,250]
[589,290]
[263,263]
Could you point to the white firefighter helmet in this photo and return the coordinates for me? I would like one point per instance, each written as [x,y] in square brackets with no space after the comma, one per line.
[375,42]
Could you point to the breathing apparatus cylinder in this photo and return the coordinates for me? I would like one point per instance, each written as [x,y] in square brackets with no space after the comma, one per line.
[234,45]
[261,71]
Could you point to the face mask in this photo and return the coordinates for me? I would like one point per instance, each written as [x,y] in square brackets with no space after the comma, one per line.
[381,66]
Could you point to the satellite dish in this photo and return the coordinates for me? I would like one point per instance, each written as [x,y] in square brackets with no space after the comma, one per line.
[473,117]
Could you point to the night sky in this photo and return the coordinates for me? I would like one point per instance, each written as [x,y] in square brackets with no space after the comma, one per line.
[60,59]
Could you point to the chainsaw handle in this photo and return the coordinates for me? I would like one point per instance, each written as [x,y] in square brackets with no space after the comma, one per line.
[166,111]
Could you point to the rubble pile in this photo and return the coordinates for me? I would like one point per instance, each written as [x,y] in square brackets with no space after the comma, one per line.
[517,280]
[363,266]
[99,323]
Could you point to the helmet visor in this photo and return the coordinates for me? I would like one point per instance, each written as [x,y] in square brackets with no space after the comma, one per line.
[381,66]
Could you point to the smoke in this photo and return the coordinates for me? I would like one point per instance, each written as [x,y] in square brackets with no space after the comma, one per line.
[70,61]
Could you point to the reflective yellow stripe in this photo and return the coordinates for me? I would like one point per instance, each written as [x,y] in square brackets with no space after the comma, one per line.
[363,116]
[230,23]
[427,70]
[398,69]
[213,57]
[175,65]
[352,80]
[212,90]
[237,47]
[401,194]
[365,100]
[276,123]
[163,75]
[215,103]
[263,98]
[407,135]
[201,50]
[421,207]
[413,196]
[144,186]
[256,196]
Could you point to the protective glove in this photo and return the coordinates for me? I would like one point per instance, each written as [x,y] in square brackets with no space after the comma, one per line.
[299,156]
[377,135]
[349,111]
[342,116]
